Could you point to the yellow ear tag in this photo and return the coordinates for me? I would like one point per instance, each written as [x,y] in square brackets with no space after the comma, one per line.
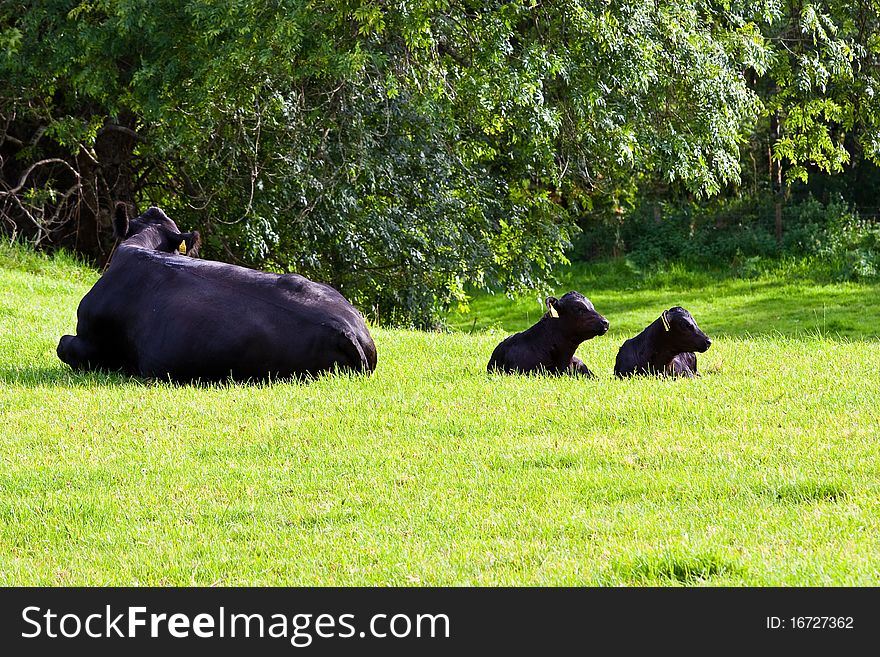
[182,248]
[553,313]
[665,321]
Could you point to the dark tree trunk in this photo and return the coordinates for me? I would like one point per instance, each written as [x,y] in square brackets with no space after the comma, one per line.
[108,177]
[776,177]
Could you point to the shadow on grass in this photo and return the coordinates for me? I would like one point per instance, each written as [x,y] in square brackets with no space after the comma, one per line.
[687,569]
[62,376]
[805,492]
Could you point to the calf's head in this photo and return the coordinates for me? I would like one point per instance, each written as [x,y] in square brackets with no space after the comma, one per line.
[154,230]
[576,316]
[681,332]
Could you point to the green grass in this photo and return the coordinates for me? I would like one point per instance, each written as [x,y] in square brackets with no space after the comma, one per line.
[765,471]
[782,302]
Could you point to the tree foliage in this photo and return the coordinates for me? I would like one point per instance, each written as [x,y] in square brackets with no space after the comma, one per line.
[823,84]
[406,151]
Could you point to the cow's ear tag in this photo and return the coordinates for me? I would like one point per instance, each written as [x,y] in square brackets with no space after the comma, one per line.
[182,248]
[553,313]
[664,320]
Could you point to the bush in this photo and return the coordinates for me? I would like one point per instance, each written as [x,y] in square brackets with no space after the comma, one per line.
[740,234]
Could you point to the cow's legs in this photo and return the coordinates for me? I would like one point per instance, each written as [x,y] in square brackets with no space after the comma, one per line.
[78,353]
[684,364]
[576,366]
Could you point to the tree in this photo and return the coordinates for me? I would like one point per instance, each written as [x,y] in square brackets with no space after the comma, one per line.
[401,152]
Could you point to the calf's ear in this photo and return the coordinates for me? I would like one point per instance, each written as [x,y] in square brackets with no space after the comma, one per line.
[189,243]
[120,221]
[551,306]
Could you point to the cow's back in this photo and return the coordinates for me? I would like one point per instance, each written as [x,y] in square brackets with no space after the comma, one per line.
[627,356]
[188,319]
[499,358]
[523,352]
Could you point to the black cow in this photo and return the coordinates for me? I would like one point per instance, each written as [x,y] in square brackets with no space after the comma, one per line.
[549,345]
[157,313]
[665,348]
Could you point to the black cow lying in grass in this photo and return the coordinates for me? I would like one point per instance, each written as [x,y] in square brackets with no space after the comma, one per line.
[157,313]
[549,345]
[665,347]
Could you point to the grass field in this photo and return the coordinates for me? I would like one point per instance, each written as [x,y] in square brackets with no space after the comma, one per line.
[765,471]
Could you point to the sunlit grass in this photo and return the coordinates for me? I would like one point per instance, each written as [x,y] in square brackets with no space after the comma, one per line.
[767,305]
[765,471]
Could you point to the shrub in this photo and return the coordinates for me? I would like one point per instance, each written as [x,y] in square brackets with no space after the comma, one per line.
[740,234]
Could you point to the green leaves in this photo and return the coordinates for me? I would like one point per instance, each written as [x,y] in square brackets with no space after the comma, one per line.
[370,19]
[406,153]
[820,85]
[10,41]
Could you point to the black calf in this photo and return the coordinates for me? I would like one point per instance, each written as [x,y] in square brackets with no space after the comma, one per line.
[665,347]
[549,345]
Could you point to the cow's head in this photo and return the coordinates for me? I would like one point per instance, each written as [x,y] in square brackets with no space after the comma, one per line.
[576,315]
[681,333]
[154,230]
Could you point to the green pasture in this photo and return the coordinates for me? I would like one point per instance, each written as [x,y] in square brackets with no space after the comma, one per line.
[763,472]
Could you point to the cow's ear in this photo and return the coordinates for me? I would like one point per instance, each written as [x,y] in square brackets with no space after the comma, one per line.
[551,306]
[120,221]
[189,243]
